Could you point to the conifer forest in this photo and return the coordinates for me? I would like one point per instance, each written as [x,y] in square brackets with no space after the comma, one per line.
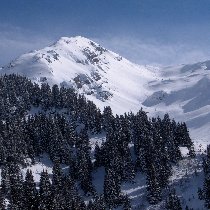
[37,120]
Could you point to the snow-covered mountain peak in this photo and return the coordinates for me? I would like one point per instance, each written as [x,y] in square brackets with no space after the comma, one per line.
[100,74]
[77,40]
[80,43]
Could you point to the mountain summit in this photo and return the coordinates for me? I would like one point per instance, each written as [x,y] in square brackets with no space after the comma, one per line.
[101,75]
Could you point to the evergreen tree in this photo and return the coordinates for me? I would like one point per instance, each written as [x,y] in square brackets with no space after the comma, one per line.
[206,191]
[56,99]
[200,194]
[45,191]
[111,188]
[2,200]
[46,96]
[57,179]
[206,184]
[173,202]
[126,203]
[72,198]
[16,186]
[84,169]
[97,203]
[5,180]
[30,192]
[108,119]
[153,187]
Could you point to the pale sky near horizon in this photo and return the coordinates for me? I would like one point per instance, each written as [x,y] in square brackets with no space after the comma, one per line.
[154,32]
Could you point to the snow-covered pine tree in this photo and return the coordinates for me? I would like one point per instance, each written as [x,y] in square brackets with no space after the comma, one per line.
[45,191]
[173,202]
[111,188]
[30,192]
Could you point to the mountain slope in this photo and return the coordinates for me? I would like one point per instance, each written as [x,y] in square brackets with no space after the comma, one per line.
[183,92]
[100,74]
[109,79]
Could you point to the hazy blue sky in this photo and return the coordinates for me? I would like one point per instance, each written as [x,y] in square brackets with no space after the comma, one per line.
[145,31]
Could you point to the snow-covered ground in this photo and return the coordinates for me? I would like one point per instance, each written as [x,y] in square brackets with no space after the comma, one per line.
[186,178]
[42,163]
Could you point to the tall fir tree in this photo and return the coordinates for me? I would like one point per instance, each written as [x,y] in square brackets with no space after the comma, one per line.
[45,191]
[173,202]
[30,192]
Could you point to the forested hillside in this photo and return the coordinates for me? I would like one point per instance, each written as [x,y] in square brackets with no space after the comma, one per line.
[37,120]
